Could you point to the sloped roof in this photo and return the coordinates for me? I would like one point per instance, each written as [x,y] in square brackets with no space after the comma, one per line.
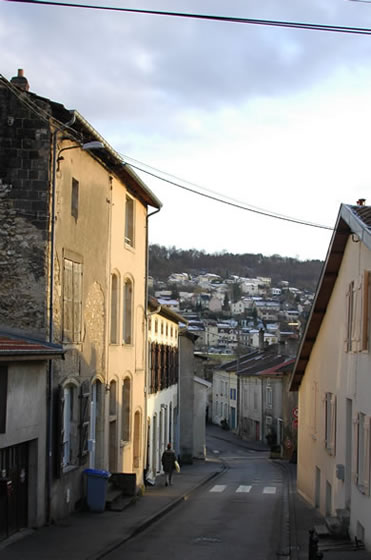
[351,220]
[20,347]
[82,131]
[268,362]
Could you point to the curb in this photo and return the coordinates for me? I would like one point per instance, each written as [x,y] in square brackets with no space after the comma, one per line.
[153,518]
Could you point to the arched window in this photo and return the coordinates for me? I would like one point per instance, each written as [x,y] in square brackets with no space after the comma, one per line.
[128,312]
[114,308]
[126,410]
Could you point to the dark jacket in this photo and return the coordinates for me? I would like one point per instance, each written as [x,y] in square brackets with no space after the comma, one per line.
[168,460]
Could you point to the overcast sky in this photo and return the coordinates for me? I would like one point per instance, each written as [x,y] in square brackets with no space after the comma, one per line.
[278,119]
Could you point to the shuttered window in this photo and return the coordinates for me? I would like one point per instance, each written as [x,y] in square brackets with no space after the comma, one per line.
[361,457]
[128,312]
[114,309]
[126,410]
[72,301]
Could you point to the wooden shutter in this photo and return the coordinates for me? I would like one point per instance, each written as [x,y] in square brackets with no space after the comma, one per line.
[59,429]
[357,316]
[3,397]
[332,433]
[67,301]
[366,455]
[84,420]
[365,307]
[77,301]
[153,367]
[355,449]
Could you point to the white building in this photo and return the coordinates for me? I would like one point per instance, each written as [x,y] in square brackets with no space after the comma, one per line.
[332,375]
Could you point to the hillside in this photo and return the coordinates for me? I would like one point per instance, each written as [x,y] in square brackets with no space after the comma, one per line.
[164,261]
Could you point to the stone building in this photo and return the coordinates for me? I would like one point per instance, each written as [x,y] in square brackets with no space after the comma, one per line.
[73,247]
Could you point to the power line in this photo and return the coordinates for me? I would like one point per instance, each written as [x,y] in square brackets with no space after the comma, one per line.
[208,17]
[217,198]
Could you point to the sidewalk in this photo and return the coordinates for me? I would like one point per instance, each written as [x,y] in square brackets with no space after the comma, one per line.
[303,518]
[90,536]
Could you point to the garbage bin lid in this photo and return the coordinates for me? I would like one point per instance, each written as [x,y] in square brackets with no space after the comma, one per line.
[97,472]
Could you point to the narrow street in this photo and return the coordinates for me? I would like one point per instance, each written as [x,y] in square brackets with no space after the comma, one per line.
[237,514]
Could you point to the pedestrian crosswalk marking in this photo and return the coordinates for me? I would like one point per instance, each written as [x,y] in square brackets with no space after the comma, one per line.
[218,488]
[244,488]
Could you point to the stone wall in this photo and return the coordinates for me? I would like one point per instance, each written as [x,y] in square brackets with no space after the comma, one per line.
[24,213]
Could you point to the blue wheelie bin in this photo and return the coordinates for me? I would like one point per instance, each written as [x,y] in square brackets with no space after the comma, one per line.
[96,488]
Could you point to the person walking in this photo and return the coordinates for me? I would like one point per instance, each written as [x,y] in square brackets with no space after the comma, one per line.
[168,463]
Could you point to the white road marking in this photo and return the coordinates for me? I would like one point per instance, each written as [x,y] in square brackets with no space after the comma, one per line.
[269,490]
[216,451]
[244,489]
[218,488]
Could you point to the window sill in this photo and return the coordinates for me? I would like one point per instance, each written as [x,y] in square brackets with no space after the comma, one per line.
[129,247]
[69,468]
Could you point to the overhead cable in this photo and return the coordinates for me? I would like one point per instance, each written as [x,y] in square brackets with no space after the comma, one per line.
[207,17]
[217,198]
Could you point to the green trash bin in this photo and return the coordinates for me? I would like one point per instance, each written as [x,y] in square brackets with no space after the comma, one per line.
[96,489]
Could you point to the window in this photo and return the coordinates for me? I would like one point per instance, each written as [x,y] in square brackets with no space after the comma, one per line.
[3,397]
[75,199]
[156,326]
[268,397]
[361,457]
[126,410]
[129,221]
[366,301]
[330,422]
[233,394]
[128,312]
[357,314]
[72,301]
[114,308]
[137,440]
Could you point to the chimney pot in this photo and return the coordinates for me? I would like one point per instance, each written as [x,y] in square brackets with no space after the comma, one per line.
[20,80]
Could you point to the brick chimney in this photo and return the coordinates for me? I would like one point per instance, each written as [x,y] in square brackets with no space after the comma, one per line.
[20,80]
[361,202]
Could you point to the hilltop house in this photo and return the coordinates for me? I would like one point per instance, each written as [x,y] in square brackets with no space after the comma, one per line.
[73,246]
[332,375]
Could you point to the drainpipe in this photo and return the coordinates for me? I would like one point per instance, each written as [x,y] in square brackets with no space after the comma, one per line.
[49,434]
[146,315]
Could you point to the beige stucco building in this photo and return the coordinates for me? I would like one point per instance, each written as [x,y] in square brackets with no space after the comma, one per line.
[74,251]
[332,375]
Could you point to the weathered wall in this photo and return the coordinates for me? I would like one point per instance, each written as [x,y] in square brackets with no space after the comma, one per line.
[24,185]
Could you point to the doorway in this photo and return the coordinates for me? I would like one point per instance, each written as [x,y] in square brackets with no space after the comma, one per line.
[13,489]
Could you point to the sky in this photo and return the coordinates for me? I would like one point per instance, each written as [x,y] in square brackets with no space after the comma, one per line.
[276,119]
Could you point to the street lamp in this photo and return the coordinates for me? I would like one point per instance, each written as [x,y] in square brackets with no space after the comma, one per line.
[93,145]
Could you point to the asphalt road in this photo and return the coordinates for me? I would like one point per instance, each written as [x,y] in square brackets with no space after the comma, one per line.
[238,515]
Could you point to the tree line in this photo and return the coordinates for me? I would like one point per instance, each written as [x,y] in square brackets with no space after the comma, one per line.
[164,261]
